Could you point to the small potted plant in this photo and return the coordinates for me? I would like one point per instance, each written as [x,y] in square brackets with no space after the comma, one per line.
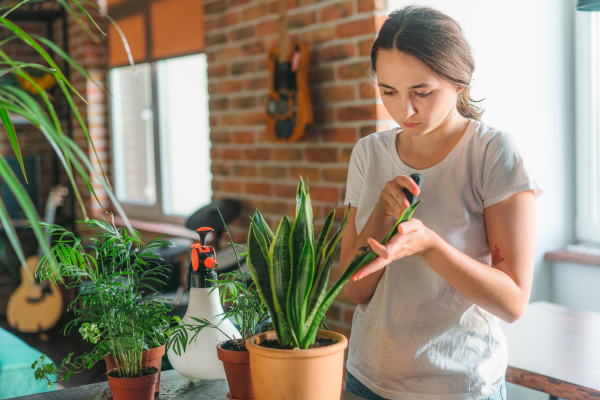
[241,302]
[291,268]
[112,307]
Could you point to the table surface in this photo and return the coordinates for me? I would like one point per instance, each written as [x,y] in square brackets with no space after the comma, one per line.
[172,386]
[555,349]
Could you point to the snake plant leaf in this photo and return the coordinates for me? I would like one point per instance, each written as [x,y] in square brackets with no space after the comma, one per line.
[261,271]
[302,277]
[263,227]
[355,265]
[281,266]
[322,239]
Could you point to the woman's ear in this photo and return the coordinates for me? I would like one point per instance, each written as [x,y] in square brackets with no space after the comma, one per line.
[459,89]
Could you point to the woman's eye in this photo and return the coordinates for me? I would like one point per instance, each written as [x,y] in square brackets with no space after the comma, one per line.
[387,93]
[423,94]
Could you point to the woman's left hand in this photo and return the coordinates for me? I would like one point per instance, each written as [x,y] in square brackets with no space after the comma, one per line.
[413,238]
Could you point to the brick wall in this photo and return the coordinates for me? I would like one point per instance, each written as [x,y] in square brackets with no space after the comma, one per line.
[263,174]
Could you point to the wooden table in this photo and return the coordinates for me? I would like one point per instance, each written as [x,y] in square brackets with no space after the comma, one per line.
[172,387]
[556,350]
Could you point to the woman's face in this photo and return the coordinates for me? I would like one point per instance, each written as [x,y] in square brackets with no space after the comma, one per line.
[414,94]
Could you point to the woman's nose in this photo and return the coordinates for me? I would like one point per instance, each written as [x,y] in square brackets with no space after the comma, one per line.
[406,108]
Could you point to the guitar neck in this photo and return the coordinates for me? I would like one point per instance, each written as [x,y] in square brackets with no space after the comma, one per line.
[283,42]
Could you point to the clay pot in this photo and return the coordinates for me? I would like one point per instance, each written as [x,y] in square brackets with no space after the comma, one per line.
[297,374]
[141,388]
[237,370]
[154,359]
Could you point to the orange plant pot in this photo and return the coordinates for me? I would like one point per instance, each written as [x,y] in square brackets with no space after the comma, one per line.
[153,357]
[141,388]
[237,370]
[297,374]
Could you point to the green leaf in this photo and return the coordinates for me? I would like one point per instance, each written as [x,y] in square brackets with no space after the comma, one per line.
[12,136]
[300,286]
[281,267]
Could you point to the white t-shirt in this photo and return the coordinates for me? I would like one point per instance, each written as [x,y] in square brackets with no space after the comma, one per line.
[418,337]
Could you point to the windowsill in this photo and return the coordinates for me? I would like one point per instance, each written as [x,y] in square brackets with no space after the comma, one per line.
[159,227]
[564,256]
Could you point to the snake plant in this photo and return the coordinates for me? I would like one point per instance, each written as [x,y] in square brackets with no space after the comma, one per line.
[291,268]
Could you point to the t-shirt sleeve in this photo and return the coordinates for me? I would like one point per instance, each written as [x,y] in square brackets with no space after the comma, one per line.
[356,175]
[504,171]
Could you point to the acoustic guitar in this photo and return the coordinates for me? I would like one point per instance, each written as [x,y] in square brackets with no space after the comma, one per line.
[289,109]
[34,307]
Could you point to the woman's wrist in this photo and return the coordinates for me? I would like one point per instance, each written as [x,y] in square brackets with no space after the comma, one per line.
[434,244]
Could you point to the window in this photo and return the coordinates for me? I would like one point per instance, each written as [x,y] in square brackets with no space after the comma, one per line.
[160,137]
[587,72]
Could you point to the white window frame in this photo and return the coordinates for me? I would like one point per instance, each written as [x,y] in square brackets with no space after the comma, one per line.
[587,74]
[155,212]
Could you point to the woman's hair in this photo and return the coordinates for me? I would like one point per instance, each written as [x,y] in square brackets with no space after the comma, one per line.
[436,40]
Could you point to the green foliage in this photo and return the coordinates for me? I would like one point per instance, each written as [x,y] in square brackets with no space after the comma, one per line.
[40,112]
[241,301]
[116,309]
[291,269]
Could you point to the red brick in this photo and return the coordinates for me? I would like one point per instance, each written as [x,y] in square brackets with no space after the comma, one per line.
[231,120]
[242,33]
[243,137]
[253,48]
[286,191]
[301,20]
[231,154]
[243,67]
[226,54]
[337,52]
[348,315]
[320,75]
[334,312]
[218,104]
[230,186]
[254,12]
[346,134]
[372,5]
[356,28]
[230,86]
[220,169]
[324,115]
[227,20]
[235,3]
[345,157]
[256,83]
[267,27]
[367,130]
[215,7]
[364,47]
[277,172]
[257,118]
[367,91]
[244,102]
[338,93]
[261,153]
[319,35]
[219,137]
[260,188]
[211,40]
[335,11]
[356,70]
[290,5]
[322,154]
[324,194]
[336,174]
[247,171]
[357,113]
[306,172]
[219,70]
[315,96]
[287,154]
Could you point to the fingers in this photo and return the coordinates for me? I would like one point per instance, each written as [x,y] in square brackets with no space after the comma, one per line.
[407,182]
[412,225]
[395,197]
[368,269]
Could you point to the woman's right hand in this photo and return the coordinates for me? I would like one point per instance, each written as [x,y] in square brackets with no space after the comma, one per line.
[392,200]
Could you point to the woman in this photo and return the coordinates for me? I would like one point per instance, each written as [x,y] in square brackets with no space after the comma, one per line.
[426,325]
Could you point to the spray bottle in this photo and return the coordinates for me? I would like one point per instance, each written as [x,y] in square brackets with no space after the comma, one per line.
[199,361]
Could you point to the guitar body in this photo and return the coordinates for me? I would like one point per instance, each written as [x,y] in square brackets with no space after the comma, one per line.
[33,308]
[289,108]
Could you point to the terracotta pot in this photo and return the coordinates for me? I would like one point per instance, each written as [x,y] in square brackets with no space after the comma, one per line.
[154,360]
[141,388]
[297,374]
[237,370]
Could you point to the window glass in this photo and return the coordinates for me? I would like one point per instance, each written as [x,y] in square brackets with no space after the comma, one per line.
[133,137]
[184,134]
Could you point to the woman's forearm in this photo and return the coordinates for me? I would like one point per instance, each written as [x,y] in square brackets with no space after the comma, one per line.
[488,287]
[376,227]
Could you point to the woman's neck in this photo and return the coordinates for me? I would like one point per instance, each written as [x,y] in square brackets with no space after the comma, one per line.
[425,151]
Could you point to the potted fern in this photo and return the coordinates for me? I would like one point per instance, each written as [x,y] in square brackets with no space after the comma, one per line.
[291,268]
[113,307]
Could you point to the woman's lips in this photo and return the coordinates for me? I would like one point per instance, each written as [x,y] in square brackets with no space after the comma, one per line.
[410,125]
